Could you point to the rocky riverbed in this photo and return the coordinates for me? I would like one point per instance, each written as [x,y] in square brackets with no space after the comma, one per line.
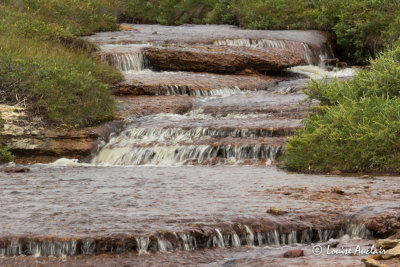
[185,175]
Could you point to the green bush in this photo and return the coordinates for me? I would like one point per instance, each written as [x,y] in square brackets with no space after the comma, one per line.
[69,87]
[44,62]
[5,154]
[359,128]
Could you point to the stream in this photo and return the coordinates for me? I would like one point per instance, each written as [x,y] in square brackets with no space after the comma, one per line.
[190,177]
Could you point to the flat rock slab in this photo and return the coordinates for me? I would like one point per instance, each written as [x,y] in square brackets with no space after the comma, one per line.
[205,34]
[222,59]
[190,83]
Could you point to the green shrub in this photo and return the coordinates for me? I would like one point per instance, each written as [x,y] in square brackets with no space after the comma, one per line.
[68,87]
[44,62]
[359,128]
[5,154]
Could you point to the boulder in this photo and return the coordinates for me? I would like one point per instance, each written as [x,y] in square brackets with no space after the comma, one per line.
[275,211]
[222,59]
[16,170]
[392,253]
[295,253]
[387,243]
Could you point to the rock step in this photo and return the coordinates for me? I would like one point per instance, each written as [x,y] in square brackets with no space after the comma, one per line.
[218,59]
[311,43]
[176,154]
[190,83]
[234,142]
[245,233]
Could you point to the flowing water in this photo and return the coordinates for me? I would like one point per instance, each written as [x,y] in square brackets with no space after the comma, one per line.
[199,182]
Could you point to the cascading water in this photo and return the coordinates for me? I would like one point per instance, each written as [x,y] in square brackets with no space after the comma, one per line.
[263,43]
[129,62]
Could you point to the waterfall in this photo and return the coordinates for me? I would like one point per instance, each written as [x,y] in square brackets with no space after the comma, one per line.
[249,236]
[182,241]
[218,240]
[263,43]
[185,90]
[143,244]
[184,154]
[235,240]
[164,245]
[129,62]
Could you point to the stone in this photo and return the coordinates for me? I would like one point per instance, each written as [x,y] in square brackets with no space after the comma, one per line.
[190,83]
[337,191]
[222,59]
[392,253]
[365,176]
[295,253]
[372,261]
[127,28]
[275,211]
[335,62]
[387,243]
[336,172]
[16,170]
[31,141]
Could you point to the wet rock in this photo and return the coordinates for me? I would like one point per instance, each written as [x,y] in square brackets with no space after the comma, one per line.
[190,83]
[222,59]
[275,211]
[295,253]
[392,253]
[337,191]
[33,141]
[16,170]
[372,261]
[387,243]
[127,28]
[335,62]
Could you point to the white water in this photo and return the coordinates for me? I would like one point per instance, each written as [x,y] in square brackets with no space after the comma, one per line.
[184,90]
[263,43]
[143,244]
[317,72]
[184,154]
[129,62]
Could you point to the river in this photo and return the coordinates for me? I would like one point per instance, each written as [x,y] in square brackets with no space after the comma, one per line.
[190,177]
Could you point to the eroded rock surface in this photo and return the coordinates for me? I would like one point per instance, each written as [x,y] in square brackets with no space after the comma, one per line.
[222,59]
[31,140]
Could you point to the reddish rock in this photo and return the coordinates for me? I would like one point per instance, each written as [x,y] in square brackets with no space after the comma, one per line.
[295,253]
[222,59]
[336,172]
[335,62]
[275,211]
[16,170]
[190,83]
[337,191]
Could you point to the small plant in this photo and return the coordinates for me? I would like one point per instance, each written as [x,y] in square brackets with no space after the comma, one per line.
[5,154]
